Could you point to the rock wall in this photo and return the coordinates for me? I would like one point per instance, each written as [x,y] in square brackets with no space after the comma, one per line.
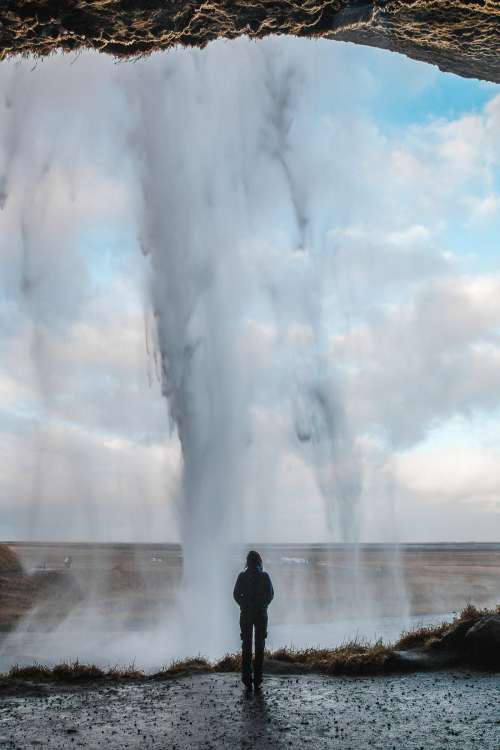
[461,36]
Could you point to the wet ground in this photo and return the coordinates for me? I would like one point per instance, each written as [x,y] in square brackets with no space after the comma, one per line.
[438,710]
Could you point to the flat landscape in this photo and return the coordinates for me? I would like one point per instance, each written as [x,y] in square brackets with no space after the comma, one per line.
[314,583]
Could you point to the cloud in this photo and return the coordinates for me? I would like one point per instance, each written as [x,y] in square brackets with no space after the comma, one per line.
[485,208]
[425,359]
[455,473]
[60,482]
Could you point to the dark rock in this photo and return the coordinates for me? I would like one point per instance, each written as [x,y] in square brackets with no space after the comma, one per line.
[420,658]
[482,641]
[442,33]
[460,37]
[454,637]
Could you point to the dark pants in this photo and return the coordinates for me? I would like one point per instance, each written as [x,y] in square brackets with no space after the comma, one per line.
[250,621]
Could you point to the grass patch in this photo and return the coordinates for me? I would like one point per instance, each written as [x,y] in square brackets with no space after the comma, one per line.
[228,663]
[180,666]
[420,637]
[352,657]
[471,612]
[74,672]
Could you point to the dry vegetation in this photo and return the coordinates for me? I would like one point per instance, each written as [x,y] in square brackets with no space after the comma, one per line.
[352,658]
[17,590]
[74,672]
[459,36]
[9,561]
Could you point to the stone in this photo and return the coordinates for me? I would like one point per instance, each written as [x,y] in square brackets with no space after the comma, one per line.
[454,638]
[482,641]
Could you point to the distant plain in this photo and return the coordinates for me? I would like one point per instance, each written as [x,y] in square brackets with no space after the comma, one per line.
[313,582]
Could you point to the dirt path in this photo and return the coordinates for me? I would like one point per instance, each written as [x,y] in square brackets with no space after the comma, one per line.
[438,710]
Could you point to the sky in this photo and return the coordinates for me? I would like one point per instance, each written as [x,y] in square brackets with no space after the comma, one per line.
[324,219]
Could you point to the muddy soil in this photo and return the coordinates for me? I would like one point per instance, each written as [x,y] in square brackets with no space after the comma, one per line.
[438,710]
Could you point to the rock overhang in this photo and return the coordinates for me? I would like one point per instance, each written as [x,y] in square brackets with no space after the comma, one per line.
[459,36]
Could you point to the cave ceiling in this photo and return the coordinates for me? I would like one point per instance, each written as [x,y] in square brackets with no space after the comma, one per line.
[459,36]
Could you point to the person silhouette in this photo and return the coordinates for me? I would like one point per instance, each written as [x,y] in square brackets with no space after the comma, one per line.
[253,592]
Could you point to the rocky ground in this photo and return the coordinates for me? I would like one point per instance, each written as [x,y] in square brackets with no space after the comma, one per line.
[458,36]
[424,710]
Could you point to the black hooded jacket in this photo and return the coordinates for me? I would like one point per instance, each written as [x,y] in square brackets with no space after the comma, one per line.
[253,591]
